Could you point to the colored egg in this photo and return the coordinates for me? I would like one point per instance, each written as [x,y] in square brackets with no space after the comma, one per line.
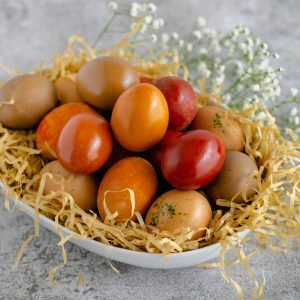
[85,143]
[102,80]
[66,90]
[178,209]
[140,117]
[233,177]
[25,100]
[215,119]
[133,173]
[83,188]
[50,127]
[181,99]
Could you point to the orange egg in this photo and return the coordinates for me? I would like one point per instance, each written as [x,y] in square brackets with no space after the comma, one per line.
[50,127]
[133,173]
[140,117]
[85,143]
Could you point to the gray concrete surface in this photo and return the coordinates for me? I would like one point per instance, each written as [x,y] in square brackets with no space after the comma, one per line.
[31,30]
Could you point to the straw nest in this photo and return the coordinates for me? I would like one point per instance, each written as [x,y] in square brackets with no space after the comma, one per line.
[273,212]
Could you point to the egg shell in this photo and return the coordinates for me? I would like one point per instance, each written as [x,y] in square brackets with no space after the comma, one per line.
[232,178]
[140,117]
[177,209]
[133,173]
[66,90]
[25,99]
[213,118]
[83,188]
[85,143]
[102,80]
[50,127]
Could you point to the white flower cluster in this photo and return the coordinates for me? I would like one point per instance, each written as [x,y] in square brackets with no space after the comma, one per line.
[235,65]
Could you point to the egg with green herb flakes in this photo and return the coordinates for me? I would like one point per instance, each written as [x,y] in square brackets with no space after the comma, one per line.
[215,119]
[177,209]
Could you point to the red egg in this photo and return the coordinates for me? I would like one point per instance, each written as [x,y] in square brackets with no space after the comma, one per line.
[193,160]
[85,143]
[155,154]
[181,99]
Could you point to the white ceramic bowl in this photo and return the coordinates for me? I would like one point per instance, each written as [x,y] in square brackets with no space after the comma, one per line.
[135,258]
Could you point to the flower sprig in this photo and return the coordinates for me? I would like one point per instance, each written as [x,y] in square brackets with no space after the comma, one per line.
[236,66]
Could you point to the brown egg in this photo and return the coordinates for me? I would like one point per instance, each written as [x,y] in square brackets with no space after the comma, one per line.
[233,177]
[25,99]
[133,173]
[213,118]
[101,81]
[66,90]
[180,209]
[83,188]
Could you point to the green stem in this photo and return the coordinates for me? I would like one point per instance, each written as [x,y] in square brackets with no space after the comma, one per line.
[105,29]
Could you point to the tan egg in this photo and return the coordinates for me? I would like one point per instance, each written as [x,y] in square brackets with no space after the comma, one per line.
[233,177]
[133,173]
[66,90]
[25,100]
[102,80]
[213,118]
[180,209]
[83,188]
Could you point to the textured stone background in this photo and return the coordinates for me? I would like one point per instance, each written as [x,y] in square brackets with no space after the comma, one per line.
[31,30]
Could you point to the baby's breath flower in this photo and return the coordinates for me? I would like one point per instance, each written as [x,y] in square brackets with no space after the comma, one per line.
[294,111]
[189,47]
[294,92]
[197,34]
[153,37]
[297,120]
[277,91]
[112,6]
[157,23]
[148,19]
[134,10]
[175,36]
[165,38]
[203,51]
[249,41]
[180,42]
[263,64]
[219,80]
[152,7]
[210,33]
[246,31]
[201,21]
[255,87]
[276,55]
[264,47]
[207,73]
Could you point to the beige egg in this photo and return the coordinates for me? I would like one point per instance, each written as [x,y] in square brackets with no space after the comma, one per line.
[25,100]
[180,209]
[233,177]
[83,188]
[213,118]
[66,90]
